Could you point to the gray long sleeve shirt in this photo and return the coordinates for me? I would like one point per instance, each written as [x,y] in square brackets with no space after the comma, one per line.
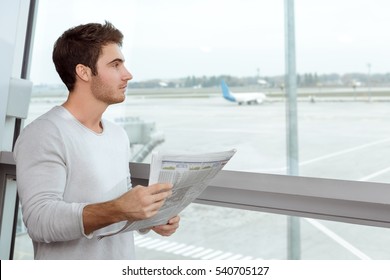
[61,167]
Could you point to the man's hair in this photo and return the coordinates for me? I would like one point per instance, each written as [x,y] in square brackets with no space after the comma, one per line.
[82,45]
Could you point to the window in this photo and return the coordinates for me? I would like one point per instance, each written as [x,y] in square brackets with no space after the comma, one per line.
[179,51]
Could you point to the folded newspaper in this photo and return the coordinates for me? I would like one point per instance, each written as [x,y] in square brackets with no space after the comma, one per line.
[189,174]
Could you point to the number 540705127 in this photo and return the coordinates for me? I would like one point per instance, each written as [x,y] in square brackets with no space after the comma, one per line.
[241,270]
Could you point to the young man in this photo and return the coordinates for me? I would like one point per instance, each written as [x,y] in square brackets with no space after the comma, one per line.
[72,166]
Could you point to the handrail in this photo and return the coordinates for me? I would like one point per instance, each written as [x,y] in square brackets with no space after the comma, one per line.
[364,203]
[7,158]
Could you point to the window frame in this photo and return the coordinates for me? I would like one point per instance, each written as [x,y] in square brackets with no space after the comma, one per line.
[364,203]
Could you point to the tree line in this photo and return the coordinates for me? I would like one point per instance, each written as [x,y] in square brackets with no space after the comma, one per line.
[303,80]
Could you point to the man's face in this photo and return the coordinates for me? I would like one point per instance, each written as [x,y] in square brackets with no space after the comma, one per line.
[110,84]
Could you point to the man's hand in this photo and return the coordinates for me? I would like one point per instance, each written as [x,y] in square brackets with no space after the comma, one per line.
[143,202]
[138,203]
[169,228]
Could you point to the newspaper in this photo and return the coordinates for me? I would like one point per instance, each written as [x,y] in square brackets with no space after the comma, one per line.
[189,175]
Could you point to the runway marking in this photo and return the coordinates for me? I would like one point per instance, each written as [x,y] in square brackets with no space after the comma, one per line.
[202,253]
[375,174]
[166,246]
[197,249]
[214,254]
[147,243]
[185,250]
[345,151]
[159,244]
[195,252]
[236,257]
[219,130]
[174,248]
[223,256]
[139,241]
[335,154]
[338,239]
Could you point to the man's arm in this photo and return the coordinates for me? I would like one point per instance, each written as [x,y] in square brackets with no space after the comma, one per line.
[137,204]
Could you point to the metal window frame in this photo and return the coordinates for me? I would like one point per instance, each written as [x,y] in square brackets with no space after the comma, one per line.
[364,203]
[9,205]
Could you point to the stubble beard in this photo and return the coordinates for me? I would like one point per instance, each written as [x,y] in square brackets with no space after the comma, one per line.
[105,93]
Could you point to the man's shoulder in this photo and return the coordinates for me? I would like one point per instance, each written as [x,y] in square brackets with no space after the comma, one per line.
[46,127]
[47,121]
[41,132]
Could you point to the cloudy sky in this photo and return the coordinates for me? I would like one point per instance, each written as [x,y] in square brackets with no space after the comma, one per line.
[178,38]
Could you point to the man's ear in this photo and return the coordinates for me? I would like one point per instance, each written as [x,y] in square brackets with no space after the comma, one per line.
[83,72]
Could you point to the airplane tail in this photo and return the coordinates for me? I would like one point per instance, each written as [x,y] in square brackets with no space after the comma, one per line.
[226,92]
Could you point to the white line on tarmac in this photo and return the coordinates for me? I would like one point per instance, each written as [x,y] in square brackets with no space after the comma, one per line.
[338,239]
[224,256]
[236,257]
[202,253]
[166,246]
[335,154]
[214,254]
[197,249]
[149,242]
[184,249]
[345,151]
[220,130]
[139,241]
[174,248]
[373,175]
[159,244]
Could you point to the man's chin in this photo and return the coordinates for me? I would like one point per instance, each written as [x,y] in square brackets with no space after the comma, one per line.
[123,97]
[117,100]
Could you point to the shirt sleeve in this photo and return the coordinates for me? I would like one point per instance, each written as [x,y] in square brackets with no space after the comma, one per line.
[41,179]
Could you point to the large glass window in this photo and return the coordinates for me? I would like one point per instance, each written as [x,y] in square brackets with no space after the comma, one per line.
[180,51]
[344,89]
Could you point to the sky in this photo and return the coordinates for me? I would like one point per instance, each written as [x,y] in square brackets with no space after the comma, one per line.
[179,38]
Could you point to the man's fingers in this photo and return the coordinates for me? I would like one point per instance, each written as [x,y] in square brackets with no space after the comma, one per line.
[157,205]
[174,220]
[161,196]
[158,188]
[150,199]
[169,228]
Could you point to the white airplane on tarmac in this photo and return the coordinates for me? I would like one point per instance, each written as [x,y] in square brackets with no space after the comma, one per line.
[242,98]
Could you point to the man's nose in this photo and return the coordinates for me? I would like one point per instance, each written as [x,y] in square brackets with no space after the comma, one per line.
[127,75]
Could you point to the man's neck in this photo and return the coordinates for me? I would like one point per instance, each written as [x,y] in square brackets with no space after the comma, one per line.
[88,112]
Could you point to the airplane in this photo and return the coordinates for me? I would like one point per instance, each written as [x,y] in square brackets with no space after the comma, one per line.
[242,98]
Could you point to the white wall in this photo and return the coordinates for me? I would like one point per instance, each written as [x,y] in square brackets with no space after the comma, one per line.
[13,22]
